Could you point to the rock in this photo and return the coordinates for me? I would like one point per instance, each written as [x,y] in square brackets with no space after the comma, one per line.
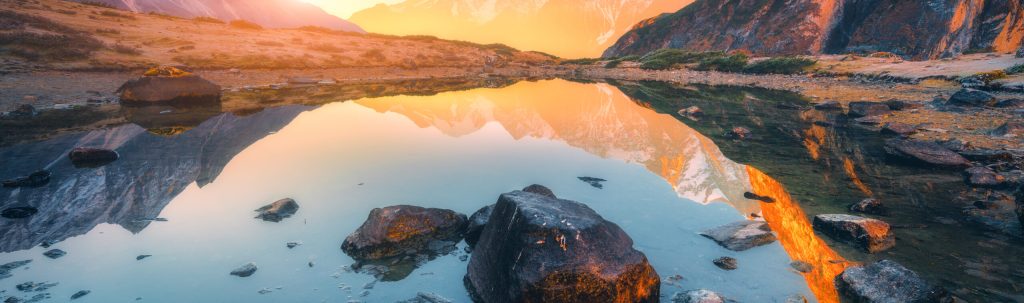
[83,157]
[868,109]
[291,245]
[54,253]
[34,286]
[18,212]
[987,155]
[883,281]
[402,230]
[542,249]
[870,120]
[753,196]
[739,133]
[972,97]
[79,294]
[477,221]
[699,296]
[897,128]
[691,111]
[924,152]
[277,211]
[869,234]
[741,235]
[36,179]
[1010,103]
[245,270]
[426,298]
[801,266]
[1010,129]
[869,206]
[5,269]
[902,105]
[140,257]
[168,85]
[828,105]
[726,263]
[544,191]
[980,176]
[24,111]
[595,182]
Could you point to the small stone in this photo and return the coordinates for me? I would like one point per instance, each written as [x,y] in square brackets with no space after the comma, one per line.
[726,263]
[868,109]
[690,111]
[1010,129]
[245,270]
[753,196]
[742,235]
[868,206]
[36,179]
[291,245]
[897,128]
[981,176]
[884,281]
[86,157]
[869,234]
[801,266]
[79,294]
[1010,103]
[595,182]
[140,257]
[902,105]
[698,296]
[427,298]
[739,133]
[277,211]
[924,152]
[54,253]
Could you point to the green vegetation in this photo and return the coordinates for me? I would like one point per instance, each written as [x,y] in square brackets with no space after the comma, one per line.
[990,76]
[668,57]
[40,39]
[781,65]
[242,24]
[1016,69]
[614,62]
[730,64]
[580,61]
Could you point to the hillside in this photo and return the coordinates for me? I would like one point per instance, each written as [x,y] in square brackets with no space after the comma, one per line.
[566,28]
[777,27]
[52,34]
[269,13]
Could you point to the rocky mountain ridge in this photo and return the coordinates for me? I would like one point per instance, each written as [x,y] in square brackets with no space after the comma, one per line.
[269,13]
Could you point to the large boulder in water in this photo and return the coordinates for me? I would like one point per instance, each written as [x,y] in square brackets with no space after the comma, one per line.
[479,219]
[541,249]
[869,234]
[884,281]
[277,211]
[403,229]
[168,85]
[924,152]
[741,235]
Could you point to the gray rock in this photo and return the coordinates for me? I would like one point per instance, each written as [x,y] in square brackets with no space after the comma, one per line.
[699,296]
[595,182]
[1010,129]
[54,253]
[869,206]
[869,234]
[86,157]
[868,109]
[140,257]
[35,179]
[245,270]
[801,266]
[34,286]
[277,211]
[902,105]
[897,128]
[481,216]
[543,190]
[169,89]
[726,263]
[1010,103]
[742,235]
[980,176]
[79,294]
[739,132]
[924,152]
[403,230]
[972,97]
[426,297]
[883,281]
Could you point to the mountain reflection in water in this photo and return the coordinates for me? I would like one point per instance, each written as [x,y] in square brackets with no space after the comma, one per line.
[464,149]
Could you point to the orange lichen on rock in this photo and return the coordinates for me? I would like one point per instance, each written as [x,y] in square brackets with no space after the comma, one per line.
[166,71]
[797,236]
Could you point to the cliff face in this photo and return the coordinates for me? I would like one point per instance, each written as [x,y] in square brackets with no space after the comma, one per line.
[914,29]
[269,13]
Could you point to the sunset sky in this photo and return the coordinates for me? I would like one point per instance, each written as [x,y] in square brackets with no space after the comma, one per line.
[345,8]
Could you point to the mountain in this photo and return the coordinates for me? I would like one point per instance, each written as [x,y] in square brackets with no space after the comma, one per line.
[914,29]
[566,28]
[269,13]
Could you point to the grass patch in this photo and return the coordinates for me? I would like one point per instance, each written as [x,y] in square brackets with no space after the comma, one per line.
[781,65]
[730,64]
[40,39]
[613,63]
[114,14]
[667,58]
[246,25]
[208,20]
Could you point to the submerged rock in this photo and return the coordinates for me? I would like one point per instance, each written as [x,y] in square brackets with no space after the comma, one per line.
[801,266]
[277,211]
[726,263]
[86,157]
[595,182]
[541,249]
[245,270]
[868,109]
[54,253]
[36,179]
[79,294]
[402,230]
[980,176]
[739,133]
[699,296]
[753,196]
[869,206]
[924,152]
[6,268]
[168,85]
[972,97]
[427,297]
[869,234]
[1010,129]
[140,257]
[884,281]
[479,219]
[742,235]
[18,212]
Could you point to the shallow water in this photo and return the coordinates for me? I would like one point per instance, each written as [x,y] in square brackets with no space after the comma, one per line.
[668,179]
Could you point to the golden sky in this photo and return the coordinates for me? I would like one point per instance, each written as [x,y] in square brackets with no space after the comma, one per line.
[345,8]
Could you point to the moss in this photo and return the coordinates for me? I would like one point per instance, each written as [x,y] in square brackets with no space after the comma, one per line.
[781,65]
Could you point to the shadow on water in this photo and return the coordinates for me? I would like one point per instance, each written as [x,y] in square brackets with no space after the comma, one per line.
[827,163]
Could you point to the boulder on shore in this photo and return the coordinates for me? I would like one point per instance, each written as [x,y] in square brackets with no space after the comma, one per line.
[541,249]
[972,97]
[741,235]
[86,157]
[168,85]
[869,234]
[897,128]
[479,219]
[884,281]
[277,211]
[699,296]
[924,152]
[868,109]
[399,230]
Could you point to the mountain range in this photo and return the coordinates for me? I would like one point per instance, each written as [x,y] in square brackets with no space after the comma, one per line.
[914,29]
[566,28]
[268,13]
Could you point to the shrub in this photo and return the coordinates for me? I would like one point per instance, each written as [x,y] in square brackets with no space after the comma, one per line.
[1016,69]
[581,61]
[730,64]
[616,61]
[242,24]
[781,65]
[207,20]
[667,57]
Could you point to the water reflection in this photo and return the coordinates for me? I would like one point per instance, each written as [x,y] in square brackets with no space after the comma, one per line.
[458,150]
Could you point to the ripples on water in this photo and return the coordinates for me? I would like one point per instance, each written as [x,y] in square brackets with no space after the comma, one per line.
[669,177]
